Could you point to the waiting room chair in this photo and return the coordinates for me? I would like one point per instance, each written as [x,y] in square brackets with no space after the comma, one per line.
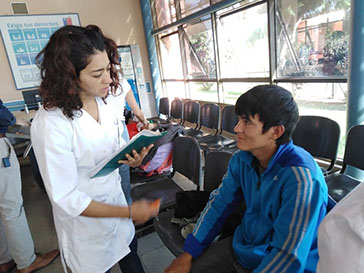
[340,184]
[319,136]
[32,99]
[191,114]
[186,161]
[163,110]
[218,142]
[177,110]
[215,168]
[209,118]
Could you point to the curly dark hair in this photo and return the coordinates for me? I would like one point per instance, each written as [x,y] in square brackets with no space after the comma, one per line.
[67,53]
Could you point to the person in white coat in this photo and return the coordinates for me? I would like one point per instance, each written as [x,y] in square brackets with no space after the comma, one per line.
[78,126]
[341,236]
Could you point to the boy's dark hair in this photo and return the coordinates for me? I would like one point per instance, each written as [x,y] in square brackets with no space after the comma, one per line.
[274,105]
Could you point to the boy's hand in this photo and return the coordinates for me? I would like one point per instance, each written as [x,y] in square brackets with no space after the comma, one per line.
[182,264]
[136,159]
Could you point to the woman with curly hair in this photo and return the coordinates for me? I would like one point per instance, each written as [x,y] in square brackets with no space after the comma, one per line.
[79,125]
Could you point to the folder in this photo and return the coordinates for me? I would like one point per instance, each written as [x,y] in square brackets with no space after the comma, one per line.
[142,139]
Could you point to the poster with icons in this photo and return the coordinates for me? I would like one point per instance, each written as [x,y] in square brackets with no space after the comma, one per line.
[24,36]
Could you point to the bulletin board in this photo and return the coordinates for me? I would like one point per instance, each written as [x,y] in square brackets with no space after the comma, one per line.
[24,36]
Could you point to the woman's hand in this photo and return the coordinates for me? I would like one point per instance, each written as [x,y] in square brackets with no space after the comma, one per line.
[143,210]
[136,159]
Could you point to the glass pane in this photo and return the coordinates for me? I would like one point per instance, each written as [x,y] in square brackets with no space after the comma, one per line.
[233,7]
[171,57]
[175,90]
[206,91]
[200,50]
[164,12]
[233,90]
[313,38]
[322,99]
[243,43]
[191,6]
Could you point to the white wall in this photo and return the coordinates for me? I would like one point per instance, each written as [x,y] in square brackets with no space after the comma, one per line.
[119,19]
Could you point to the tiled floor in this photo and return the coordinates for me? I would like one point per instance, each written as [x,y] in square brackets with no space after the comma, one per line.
[155,256]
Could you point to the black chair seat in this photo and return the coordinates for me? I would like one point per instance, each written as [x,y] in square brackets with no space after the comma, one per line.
[160,121]
[162,188]
[339,185]
[138,179]
[169,233]
[217,142]
[195,133]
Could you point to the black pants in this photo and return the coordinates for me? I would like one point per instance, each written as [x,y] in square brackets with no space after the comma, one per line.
[131,263]
[219,257]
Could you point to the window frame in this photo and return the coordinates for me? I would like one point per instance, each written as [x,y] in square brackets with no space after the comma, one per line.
[272,7]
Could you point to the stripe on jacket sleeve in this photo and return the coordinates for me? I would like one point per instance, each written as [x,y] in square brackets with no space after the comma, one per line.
[308,211]
[207,208]
[308,178]
[301,224]
[303,184]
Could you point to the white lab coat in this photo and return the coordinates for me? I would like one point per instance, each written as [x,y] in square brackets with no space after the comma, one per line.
[66,150]
[341,236]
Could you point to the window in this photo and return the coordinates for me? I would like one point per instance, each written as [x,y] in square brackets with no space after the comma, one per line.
[243,43]
[322,99]
[233,90]
[171,57]
[165,12]
[191,6]
[206,91]
[313,38]
[175,90]
[229,48]
[200,50]
[235,6]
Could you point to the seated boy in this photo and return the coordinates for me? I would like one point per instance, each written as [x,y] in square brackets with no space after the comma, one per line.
[283,188]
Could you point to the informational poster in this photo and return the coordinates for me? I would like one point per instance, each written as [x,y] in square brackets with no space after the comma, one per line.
[24,36]
[126,62]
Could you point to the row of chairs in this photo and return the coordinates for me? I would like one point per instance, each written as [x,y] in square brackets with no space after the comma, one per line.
[208,116]
[320,136]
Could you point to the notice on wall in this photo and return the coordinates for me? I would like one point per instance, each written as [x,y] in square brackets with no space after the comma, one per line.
[24,36]
[126,62]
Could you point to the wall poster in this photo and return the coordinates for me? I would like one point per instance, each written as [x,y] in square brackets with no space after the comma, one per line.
[26,35]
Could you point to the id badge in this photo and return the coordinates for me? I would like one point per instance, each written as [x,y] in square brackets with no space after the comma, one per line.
[6,162]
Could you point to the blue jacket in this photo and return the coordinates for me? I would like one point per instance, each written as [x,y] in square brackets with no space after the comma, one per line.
[6,118]
[285,206]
